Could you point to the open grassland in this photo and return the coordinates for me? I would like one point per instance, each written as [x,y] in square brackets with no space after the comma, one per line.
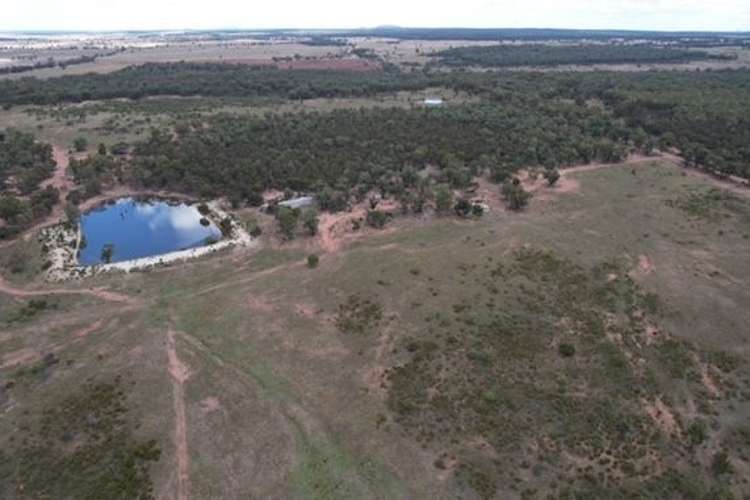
[62,125]
[592,346]
[242,52]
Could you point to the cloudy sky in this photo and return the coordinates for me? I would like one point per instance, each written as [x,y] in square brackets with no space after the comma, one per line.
[730,15]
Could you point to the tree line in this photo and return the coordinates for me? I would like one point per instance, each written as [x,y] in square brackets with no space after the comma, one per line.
[207,80]
[553,55]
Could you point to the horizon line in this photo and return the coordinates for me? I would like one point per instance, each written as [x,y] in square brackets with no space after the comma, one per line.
[363,29]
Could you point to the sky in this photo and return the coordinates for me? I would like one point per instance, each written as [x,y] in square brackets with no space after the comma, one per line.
[101,15]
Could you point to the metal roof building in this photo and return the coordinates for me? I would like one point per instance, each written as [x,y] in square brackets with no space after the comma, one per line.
[301,202]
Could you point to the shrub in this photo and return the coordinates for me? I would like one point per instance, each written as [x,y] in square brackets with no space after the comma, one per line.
[720,464]
[697,432]
[376,219]
[80,144]
[567,350]
[312,261]
[17,261]
[462,207]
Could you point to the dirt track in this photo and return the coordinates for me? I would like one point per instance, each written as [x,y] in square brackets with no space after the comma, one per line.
[179,373]
[60,179]
[99,293]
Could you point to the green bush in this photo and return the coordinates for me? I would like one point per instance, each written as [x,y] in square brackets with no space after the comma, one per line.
[312,261]
[80,144]
[566,350]
[377,218]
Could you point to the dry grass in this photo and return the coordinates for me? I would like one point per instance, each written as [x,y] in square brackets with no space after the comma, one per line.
[281,404]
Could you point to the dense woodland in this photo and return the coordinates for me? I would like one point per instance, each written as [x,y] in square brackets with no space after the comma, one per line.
[50,63]
[703,114]
[356,151]
[208,80]
[521,119]
[24,164]
[552,55]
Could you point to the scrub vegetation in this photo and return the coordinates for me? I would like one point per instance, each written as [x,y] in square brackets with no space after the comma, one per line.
[536,290]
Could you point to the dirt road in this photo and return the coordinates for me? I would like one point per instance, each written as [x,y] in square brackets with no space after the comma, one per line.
[179,373]
[99,293]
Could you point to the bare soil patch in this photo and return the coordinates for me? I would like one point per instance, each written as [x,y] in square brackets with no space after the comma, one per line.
[20,357]
[84,332]
[335,230]
[210,405]
[260,304]
[662,416]
[645,266]
[709,383]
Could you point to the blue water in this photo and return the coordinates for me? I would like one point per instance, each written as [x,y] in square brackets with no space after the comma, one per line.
[142,228]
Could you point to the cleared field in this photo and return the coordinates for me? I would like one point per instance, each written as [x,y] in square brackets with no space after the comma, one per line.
[250,52]
[418,53]
[425,361]
[62,125]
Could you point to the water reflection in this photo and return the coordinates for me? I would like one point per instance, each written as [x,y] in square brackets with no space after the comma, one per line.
[140,228]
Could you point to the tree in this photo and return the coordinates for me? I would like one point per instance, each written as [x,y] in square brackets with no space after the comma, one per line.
[44,200]
[515,195]
[102,150]
[462,207]
[108,251]
[287,220]
[332,200]
[11,207]
[443,199]
[226,227]
[72,213]
[422,193]
[80,144]
[310,221]
[552,176]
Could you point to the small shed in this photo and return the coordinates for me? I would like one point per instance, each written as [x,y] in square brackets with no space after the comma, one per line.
[301,202]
